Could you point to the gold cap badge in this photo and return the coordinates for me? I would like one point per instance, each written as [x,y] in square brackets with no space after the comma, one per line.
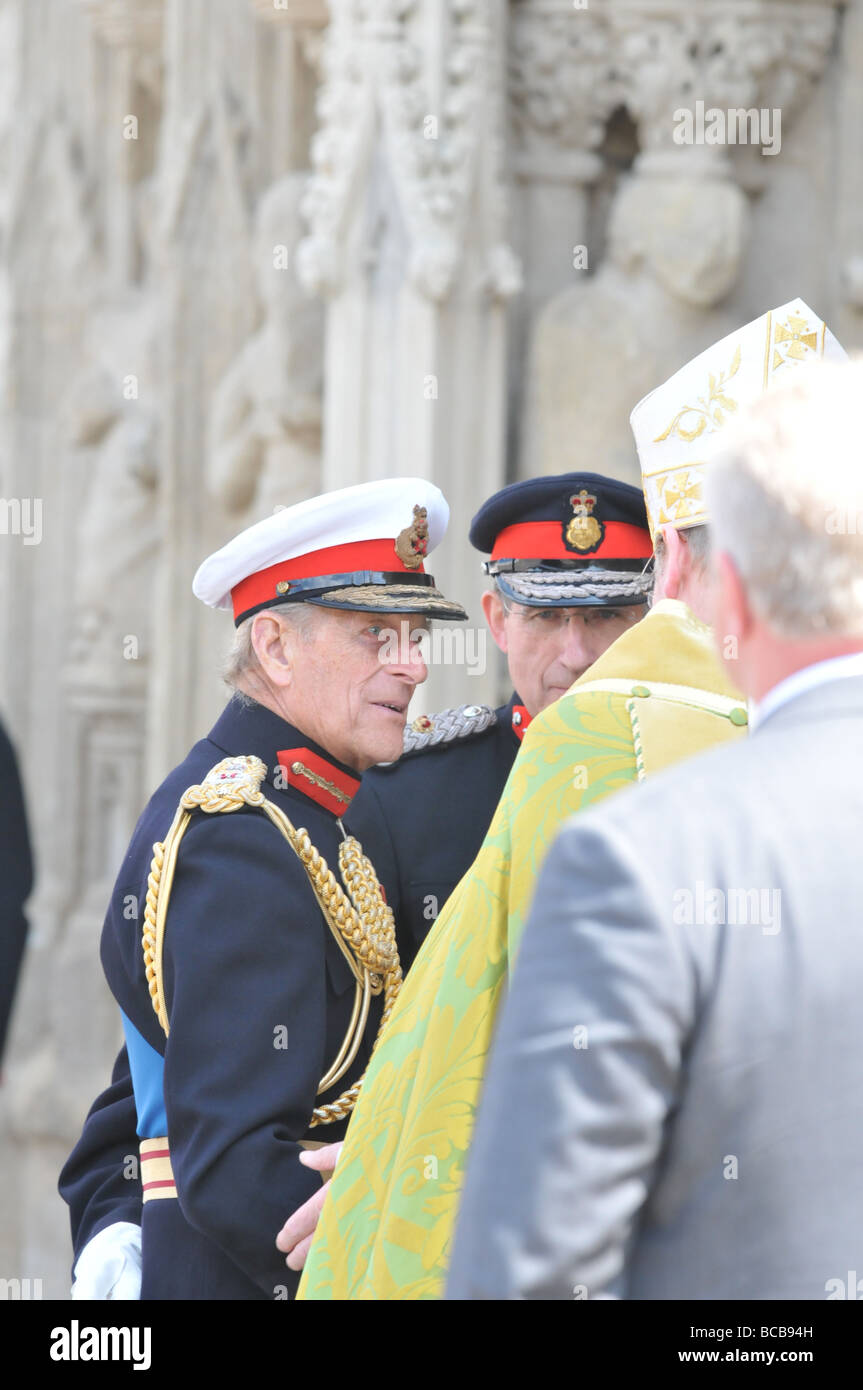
[412,543]
[584,531]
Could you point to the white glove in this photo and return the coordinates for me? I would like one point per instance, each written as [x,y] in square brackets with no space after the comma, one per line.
[109,1266]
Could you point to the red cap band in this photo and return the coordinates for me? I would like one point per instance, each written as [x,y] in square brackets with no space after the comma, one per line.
[335,559]
[543,540]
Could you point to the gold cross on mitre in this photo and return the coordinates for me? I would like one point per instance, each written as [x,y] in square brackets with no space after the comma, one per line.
[680,494]
[793,333]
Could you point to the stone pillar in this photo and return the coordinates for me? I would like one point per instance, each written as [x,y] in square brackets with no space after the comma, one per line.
[289,45]
[560,98]
[108,421]
[407,243]
[131,32]
[207,179]
[49,243]
[848,279]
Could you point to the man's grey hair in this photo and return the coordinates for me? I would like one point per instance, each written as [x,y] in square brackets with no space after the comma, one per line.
[242,659]
[785,498]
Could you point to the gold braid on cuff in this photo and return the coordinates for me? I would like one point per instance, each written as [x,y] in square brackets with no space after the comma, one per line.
[359,919]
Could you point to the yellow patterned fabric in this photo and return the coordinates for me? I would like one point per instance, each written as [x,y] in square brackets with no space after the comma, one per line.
[386,1226]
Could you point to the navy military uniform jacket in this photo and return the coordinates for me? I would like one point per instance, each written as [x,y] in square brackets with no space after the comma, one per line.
[16,880]
[422,821]
[435,805]
[95,1181]
[259,998]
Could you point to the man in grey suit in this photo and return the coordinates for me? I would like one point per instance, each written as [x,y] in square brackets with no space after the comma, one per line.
[674,1107]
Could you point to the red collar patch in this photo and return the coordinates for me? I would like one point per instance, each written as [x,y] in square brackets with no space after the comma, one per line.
[319,780]
[520,721]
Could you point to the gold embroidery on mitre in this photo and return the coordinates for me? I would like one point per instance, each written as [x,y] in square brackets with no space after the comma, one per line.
[412,543]
[681,495]
[799,338]
[674,496]
[584,531]
[707,414]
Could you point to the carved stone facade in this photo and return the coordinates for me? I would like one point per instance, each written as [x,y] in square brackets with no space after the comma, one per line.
[249,250]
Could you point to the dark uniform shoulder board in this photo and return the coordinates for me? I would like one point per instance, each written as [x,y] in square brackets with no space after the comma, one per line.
[448,726]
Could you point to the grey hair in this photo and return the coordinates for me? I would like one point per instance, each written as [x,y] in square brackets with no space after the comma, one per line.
[242,659]
[786,500]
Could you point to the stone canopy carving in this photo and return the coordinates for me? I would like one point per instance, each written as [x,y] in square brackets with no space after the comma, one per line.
[569,71]
[433,126]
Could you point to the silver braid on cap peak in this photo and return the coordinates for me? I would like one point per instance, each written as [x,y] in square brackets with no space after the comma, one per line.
[602,585]
[448,725]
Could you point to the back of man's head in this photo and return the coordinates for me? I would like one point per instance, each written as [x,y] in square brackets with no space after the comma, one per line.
[785,500]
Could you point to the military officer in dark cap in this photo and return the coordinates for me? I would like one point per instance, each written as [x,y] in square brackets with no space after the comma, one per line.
[269,956]
[569,561]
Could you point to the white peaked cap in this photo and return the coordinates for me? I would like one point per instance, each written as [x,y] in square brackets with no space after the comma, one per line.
[360,548]
[675,424]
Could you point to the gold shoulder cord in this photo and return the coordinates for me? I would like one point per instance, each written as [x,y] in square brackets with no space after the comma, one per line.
[360,920]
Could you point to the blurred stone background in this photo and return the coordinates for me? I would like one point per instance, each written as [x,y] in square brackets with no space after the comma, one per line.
[253,249]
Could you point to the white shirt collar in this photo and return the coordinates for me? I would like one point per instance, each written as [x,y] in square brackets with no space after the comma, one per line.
[835,668]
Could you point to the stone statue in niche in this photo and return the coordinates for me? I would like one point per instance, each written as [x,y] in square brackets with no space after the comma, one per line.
[111,412]
[674,253]
[265,420]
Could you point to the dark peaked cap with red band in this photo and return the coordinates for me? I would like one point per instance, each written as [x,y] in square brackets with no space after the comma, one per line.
[572,540]
[361,548]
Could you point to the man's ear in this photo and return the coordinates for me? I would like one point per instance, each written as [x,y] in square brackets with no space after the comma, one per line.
[673,561]
[492,607]
[273,645]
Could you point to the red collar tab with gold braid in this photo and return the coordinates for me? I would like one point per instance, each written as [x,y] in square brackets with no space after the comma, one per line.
[321,781]
[520,721]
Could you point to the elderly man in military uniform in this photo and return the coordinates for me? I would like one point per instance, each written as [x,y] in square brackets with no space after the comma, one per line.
[569,560]
[655,697]
[269,956]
